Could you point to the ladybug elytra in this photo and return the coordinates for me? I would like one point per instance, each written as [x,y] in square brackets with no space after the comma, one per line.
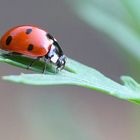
[34,42]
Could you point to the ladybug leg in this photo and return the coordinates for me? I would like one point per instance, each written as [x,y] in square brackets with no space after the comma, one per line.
[44,68]
[32,62]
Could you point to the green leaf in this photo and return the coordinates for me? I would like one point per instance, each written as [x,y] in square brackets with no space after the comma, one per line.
[74,73]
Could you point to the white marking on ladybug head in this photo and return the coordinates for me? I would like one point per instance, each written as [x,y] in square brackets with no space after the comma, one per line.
[52,55]
[54,58]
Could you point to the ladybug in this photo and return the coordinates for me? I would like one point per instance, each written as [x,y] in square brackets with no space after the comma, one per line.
[34,42]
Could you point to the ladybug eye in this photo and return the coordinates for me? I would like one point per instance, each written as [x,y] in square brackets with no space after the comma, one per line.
[50,36]
[52,55]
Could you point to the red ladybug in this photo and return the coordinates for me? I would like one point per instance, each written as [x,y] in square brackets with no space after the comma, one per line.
[35,42]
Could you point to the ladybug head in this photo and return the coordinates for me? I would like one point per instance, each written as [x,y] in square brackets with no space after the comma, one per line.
[56,55]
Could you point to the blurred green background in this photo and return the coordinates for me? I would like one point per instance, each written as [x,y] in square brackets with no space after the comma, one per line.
[85,34]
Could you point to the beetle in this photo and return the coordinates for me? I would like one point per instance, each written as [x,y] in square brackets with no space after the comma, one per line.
[34,42]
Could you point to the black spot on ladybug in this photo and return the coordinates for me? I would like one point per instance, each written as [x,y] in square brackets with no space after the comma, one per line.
[8,40]
[49,36]
[28,31]
[30,47]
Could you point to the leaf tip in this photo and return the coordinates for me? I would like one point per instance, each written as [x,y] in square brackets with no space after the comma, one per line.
[130,83]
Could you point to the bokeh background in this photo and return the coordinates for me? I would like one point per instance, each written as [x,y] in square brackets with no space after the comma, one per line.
[66,112]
